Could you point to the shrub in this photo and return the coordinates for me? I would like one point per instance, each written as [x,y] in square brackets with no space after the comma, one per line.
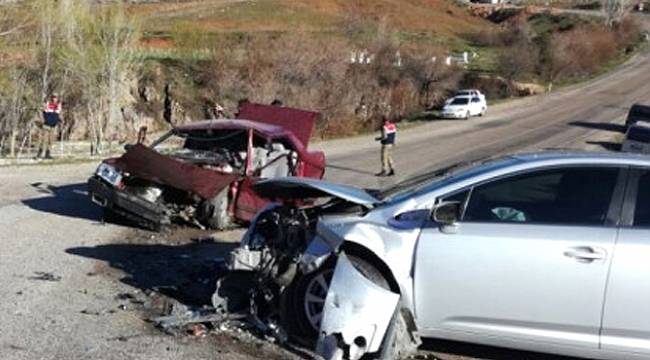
[311,72]
[580,52]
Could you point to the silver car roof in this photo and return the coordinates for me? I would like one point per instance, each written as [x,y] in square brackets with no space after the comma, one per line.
[586,157]
[496,167]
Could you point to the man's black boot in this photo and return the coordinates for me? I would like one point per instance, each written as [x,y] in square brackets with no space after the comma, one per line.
[381,173]
[47,155]
[391,172]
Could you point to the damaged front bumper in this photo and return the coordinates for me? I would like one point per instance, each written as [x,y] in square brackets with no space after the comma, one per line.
[359,316]
[356,316]
[125,204]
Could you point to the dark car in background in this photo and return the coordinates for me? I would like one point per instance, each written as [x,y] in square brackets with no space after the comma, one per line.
[637,113]
[202,172]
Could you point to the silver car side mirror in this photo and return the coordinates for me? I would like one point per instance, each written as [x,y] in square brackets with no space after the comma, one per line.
[446,213]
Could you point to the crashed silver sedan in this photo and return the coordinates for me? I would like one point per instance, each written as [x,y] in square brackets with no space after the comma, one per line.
[545,252]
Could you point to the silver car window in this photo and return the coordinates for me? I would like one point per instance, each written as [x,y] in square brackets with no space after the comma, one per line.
[642,207]
[557,196]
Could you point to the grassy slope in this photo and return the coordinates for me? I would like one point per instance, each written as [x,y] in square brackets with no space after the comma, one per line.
[437,18]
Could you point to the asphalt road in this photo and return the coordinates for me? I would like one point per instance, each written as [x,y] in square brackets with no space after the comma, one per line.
[47,225]
[587,116]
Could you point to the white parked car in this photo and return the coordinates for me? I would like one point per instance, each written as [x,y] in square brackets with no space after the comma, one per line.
[463,107]
[637,138]
[466,92]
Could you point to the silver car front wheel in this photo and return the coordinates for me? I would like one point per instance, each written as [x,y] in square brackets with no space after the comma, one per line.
[305,300]
[315,294]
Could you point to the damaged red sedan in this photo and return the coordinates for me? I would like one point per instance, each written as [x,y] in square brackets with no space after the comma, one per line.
[202,173]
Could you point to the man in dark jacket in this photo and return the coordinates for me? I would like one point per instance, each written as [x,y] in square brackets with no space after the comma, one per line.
[387,140]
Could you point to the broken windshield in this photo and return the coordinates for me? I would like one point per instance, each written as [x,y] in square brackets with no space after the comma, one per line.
[226,149]
[202,140]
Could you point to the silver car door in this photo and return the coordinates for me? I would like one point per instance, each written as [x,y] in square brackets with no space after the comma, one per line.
[528,260]
[626,315]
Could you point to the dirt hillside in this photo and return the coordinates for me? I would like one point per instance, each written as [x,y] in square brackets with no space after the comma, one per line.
[439,17]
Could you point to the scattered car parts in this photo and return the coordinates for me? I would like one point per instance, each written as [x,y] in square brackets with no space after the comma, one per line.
[294,279]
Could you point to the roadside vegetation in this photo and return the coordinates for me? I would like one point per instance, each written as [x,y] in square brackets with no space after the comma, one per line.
[353,61]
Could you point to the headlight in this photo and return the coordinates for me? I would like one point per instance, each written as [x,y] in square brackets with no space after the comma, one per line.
[109,173]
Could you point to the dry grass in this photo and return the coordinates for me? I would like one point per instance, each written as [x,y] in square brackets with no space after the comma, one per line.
[436,17]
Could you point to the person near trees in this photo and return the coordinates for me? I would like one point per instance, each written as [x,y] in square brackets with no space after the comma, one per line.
[387,140]
[51,118]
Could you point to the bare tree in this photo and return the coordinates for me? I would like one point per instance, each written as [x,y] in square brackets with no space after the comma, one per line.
[48,29]
[99,58]
[615,10]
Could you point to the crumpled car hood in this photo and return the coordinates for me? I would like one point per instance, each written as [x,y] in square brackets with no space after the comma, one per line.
[305,188]
[299,122]
[148,164]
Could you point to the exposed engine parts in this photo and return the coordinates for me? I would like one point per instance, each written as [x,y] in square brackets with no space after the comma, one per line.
[271,261]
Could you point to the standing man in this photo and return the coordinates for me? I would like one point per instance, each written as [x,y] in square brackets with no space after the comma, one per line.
[387,139]
[51,118]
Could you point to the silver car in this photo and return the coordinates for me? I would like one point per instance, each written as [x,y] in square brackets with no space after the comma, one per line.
[546,252]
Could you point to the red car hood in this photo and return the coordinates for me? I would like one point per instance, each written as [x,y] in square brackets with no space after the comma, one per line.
[299,122]
[145,163]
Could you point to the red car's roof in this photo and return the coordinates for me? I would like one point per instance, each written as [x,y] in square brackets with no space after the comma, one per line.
[236,124]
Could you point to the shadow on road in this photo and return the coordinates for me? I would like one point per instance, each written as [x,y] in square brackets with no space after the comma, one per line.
[66,200]
[338,167]
[429,115]
[607,145]
[186,273]
[484,352]
[600,126]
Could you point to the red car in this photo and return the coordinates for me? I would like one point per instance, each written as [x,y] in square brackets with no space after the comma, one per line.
[202,172]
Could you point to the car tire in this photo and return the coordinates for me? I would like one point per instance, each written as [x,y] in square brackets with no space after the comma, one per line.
[482,112]
[467,116]
[213,213]
[298,312]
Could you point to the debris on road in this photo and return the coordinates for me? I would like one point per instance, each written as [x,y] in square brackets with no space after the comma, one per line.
[266,288]
[45,276]
[97,312]
[180,316]
[199,330]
